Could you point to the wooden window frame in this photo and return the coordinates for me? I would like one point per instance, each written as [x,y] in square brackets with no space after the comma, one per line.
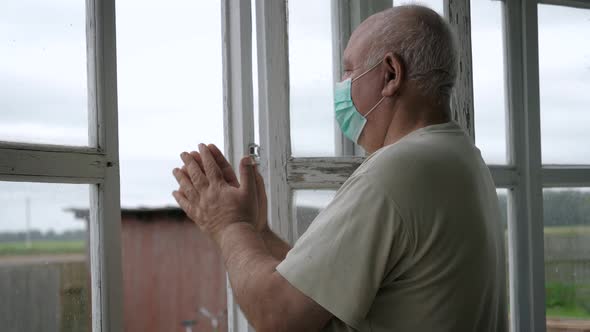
[96,165]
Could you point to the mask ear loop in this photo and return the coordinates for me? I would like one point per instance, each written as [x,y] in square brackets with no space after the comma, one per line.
[366,71]
[374,107]
[363,74]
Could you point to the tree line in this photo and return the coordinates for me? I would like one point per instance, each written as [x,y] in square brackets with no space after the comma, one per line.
[560,208]
[37,235]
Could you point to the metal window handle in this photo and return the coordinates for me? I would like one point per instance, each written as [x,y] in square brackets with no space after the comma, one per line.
[254,152]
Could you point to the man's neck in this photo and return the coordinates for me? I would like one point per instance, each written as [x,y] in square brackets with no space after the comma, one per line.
[407,119]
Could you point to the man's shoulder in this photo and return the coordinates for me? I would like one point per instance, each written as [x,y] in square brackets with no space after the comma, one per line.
[399,157]
[434,145]
[417,164]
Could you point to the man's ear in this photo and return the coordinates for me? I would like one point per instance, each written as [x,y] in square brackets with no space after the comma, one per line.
[394,74]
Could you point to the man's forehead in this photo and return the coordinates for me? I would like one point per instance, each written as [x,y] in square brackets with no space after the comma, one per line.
[358,44]
[355,51]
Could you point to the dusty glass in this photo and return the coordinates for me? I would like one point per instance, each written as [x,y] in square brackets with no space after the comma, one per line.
[489,99]
[310,78]
[566,217]
[43,85]
[564,74]
[44,267]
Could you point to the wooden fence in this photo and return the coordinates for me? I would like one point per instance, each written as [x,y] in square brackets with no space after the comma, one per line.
[44,294]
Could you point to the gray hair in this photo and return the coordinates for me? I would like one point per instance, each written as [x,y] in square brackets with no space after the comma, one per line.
[425,43]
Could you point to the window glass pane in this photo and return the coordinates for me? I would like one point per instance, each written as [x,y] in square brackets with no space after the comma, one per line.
[44,267]
[436,5]
[172,272]
[564,73]
[310,75]
[170,96]
[43,88]
[567,256]
[307,205]
[170,99]
[488,80]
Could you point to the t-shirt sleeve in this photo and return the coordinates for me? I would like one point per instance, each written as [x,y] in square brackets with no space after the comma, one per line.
[342,259]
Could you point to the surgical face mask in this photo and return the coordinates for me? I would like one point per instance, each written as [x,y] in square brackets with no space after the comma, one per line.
[350,120]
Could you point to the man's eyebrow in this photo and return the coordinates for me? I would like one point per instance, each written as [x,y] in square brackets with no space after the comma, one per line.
[346,61]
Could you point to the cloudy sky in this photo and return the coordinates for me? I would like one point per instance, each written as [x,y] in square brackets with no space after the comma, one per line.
[170,91]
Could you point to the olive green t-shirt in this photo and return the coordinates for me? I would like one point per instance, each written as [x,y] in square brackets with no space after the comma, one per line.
[412,241]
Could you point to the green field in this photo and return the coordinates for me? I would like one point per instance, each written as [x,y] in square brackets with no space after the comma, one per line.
[567,230]
[575,312]
[567,300]
[42,247]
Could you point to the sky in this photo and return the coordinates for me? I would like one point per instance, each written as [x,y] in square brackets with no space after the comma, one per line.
[170,91]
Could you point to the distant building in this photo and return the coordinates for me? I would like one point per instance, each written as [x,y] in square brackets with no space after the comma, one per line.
[173,275]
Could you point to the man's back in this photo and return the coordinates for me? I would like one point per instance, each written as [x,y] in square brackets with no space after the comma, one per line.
[412,242]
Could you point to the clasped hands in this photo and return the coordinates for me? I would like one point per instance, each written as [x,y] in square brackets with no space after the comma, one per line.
[211,196]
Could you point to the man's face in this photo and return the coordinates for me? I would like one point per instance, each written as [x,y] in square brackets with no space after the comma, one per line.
[366,91]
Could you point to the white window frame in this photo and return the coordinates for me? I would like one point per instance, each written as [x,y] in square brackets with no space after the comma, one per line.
[238,112]
[524,175]
[529,175]
[96,165]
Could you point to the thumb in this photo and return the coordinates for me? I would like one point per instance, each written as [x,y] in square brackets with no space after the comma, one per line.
[247,175]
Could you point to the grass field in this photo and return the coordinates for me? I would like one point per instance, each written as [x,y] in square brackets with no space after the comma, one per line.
[567,300]
[575,312]
[567,230]
[42,247]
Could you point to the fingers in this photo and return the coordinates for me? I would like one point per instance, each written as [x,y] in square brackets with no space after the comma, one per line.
[260,185]
[212,171]
[228,172]
[261,193]
[195,173]
[182,202]
[197,157]
[186,186]
[247,176]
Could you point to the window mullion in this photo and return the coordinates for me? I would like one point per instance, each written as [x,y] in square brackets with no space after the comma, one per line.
[238,110]
[105,208]
[525,227]
[566,175]
[51,163]
[341,30]
[331,172]
[458,14]
[275,140]
[582,4]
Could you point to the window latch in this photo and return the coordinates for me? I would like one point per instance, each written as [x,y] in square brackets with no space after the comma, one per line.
[254,152]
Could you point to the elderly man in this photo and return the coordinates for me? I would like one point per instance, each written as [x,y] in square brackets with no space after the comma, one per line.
[412,240]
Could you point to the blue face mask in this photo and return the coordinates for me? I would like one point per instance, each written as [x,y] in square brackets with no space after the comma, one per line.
[350,120]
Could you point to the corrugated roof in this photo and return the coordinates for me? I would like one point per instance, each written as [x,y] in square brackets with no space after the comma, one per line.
[144,213]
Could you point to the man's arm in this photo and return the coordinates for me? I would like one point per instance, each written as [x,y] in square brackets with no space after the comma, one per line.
[228,213]
[278,247]
[268,300]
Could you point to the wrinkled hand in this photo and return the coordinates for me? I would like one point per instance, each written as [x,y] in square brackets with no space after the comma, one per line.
[261,224]
[210,197]
[210,194]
